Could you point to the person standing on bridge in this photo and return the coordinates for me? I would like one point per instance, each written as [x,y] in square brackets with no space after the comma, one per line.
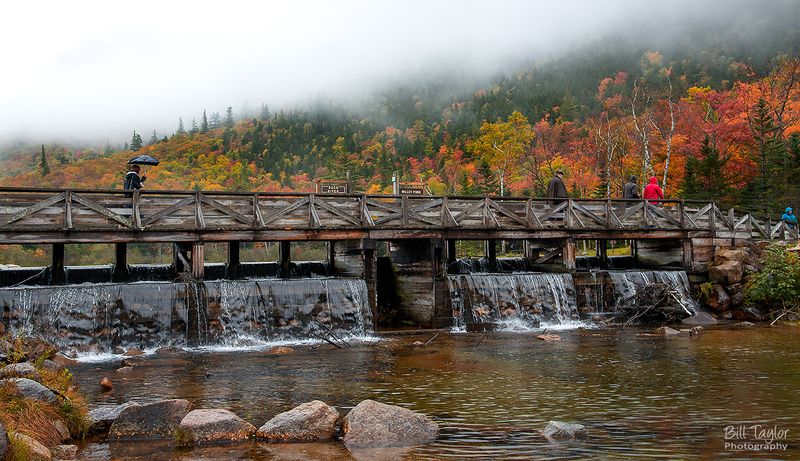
[132,179]
[789,218]
[631,189]
[653,192]
[556,189]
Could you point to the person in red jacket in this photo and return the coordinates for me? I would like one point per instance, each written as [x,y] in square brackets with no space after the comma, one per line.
[653,191]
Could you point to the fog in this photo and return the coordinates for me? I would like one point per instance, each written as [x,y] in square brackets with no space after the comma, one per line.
[99,69]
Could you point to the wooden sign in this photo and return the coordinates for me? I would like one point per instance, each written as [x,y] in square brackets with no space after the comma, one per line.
[411,188]
[325,186]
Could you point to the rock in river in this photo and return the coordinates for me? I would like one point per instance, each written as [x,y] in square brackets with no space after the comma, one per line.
[559,430]
[152,420]
[373,424]
[201,427]
[103,417]
[310,422]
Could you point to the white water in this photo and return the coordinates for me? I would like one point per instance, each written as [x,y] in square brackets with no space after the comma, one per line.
[627,282]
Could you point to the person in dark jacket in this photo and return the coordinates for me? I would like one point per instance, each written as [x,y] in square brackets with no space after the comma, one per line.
[631,189]
[556,189]
[789,218]
[132,180]
[653,191]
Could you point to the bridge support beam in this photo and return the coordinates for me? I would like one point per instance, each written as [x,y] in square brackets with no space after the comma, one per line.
[284,259]
[356,258]
[331,257]
[452,255]
[602,254]
[198,260]
[233,270]
[568,254]
[121,271]
[414,261]
[58,275]
[491,254]
[688,254]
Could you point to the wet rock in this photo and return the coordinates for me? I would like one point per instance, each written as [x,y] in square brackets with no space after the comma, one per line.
[64,360]
[310,422]
[664,331]
[3,441]
[62,429]
[35,450]
[106,384]
[718,299]
[743,325]
[65,452]
[549,337]
[30,389]
[133,352]
[750,313]
[124,370]
[19,370]
[118,350]
[280,350]
[727,273]
[201,427]
[417,344]
[152,420]
[38,349]
[52,365]
[103,417]
[166,350]
[372,424]
[731,254]
[559,430]
[700,318]
[691,331]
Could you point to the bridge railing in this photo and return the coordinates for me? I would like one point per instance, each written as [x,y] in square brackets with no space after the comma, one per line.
[34,210]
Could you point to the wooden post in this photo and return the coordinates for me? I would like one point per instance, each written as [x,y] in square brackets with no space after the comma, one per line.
[602,253]
[180,258]
[531,251]
[568,254]
[331,259]
[58,275]
[121,272]
[284,252]
[491,254]
[198,260]
[452,257]
[688,254]
[234,268]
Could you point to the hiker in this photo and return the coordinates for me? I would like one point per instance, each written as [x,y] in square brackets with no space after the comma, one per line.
[132,180]
[789,218]
[653,191]
[631,189]
[556,188]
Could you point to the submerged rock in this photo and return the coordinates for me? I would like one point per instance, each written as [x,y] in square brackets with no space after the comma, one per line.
[30,389]
[559,430]
[700,318]
[106,384]
[133,352]
[280,350]
[35,450]
[549,337]
[103,417]
[152,420]
[19,370]
[65,452]
[203,426]
[374,424]
[666,331]
[310,422]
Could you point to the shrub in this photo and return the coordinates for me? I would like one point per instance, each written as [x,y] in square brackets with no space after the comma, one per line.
[777,285]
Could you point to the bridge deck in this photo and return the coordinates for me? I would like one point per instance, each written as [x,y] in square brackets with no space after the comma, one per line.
[82,216]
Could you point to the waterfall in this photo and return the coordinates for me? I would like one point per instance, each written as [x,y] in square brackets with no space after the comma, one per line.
[525,300]
[625,284]
[98,317]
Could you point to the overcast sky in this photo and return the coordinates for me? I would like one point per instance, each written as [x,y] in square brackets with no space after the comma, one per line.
[99,69]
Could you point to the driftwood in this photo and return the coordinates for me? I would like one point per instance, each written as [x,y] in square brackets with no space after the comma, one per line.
[655,303]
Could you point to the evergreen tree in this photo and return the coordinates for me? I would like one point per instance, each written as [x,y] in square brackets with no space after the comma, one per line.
[153,139]
[180,126]
[767,190]
[194,126]
[264,112]
[704,179]
[215,121]
[204,123]
[44,169]
[229,117]
[108,149]
[136,141]
[126,146]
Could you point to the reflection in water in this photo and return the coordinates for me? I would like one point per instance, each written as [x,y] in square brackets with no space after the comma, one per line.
[642,397]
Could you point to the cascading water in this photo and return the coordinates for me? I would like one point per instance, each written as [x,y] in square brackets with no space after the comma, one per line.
[515,300]
[98,317]
[625,284]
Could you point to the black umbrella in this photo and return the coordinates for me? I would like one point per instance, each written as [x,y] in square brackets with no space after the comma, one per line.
[143,160]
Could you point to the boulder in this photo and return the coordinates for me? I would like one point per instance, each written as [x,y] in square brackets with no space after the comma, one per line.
[124,370]
[717,299]
[167,350]
[65,452]
[61,427]
[35,450]
[118,350]
[663,331]
[700,318]
[30,389]
[280,350]
[106,384]
[559,430]
[38,349]
[750,313]
[310,422]
[201,427]
[64,360]
[549,337]
[52,365]
[372,424]
[133,352]
[152,420]
[727,273]
[3,441]
[19,370]
[103,417]
[731,254]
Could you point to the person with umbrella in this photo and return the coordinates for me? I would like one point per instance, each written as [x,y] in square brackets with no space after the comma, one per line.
[133,181]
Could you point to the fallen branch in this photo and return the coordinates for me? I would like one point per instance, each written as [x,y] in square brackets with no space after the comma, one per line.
[434,337]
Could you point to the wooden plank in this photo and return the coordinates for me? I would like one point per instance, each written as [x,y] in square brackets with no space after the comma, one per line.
[553,211]
[447,217]
[169,210]
[101,210]
[225,210]
[328,207]
[199,219]
[700,213]
[631,211]
[258,220]
[366,218]
[284,211]
[549,255]
[68,210]
[578,207]
[469,211]
[530,216]
[313,217]
[50,201]
[506,212]
[661,213]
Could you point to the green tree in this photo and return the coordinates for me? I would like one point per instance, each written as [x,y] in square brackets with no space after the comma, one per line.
[229,117]
[136,141]
[767,190]
[705,179]
[153,139]
[194,129]
[215,121]
[44,168]
[181,130]
[502,145]
[204,123]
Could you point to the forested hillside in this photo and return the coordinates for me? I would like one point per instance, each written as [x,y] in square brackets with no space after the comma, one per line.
[712,117]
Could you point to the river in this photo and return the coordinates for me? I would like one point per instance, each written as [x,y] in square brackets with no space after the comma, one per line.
[639,396]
